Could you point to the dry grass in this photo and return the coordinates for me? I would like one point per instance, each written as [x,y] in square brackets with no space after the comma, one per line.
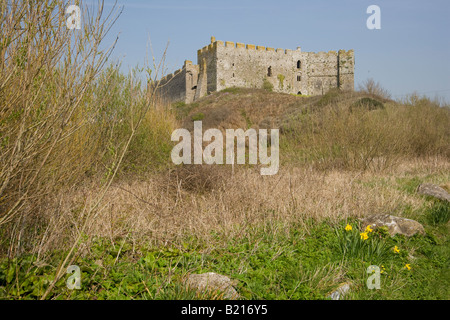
[154,211]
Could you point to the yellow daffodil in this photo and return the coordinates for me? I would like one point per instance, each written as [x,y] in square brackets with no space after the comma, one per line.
[408,266]
[364,235]
[348,227]
[368,229]
[396,250]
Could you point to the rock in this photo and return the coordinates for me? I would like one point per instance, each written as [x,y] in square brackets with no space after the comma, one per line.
[340,292]
[395,224]
[433,190]
[212,282]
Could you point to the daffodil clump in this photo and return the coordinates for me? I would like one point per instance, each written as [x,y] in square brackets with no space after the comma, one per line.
[362,245]
[370,245]
[365,235]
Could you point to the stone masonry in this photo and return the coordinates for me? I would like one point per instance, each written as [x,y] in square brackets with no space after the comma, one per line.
[227,64]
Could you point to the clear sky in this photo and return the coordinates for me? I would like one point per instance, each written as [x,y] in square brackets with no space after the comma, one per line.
[411,51]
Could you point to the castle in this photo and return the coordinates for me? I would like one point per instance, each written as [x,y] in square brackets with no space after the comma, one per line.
[222,65]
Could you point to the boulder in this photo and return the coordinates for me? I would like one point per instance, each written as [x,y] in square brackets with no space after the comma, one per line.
[212,282]
[433,190]
[395,224]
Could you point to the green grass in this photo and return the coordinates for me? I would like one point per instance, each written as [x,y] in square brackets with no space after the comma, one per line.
[248,121]
[182,109]
[268,265]
[267,85]
[198,116]
[438,213]
[369,103]
[233,90]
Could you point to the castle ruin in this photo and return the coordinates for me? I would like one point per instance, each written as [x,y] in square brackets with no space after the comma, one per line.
[223,65]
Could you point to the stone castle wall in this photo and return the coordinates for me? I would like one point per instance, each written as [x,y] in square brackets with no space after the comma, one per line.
[227,64]
[180,85]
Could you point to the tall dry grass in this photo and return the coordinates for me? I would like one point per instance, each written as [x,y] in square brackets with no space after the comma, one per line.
[350,131]
[171,207]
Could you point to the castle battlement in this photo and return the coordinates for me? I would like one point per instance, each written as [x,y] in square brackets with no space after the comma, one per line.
[238,45]
[223,64]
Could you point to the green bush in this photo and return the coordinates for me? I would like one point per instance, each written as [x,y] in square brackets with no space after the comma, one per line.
[267,85]
[367,103]
[198,116]
[331,97]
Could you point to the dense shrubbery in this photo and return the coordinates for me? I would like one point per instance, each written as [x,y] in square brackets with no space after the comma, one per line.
[345,136]
[66,117]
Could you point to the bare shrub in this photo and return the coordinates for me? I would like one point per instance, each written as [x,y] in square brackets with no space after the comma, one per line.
[46,71]
[195,178]
[371,87]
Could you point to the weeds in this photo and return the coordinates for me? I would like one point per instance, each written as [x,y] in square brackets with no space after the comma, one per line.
[279,266]
[439,213]
[267,85]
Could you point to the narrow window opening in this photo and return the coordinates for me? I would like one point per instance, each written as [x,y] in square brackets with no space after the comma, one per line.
[299,64]
[269,72]
[299,78]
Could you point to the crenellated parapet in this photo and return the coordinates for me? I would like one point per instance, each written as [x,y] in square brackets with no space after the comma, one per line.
[238,45]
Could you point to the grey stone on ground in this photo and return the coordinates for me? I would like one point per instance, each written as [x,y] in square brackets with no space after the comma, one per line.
[407,227]
[433,190]
[340,292]
[212,282]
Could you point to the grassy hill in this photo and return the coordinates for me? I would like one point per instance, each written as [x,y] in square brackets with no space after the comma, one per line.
[343,130]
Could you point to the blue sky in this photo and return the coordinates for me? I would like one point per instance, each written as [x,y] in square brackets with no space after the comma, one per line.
[411,51]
